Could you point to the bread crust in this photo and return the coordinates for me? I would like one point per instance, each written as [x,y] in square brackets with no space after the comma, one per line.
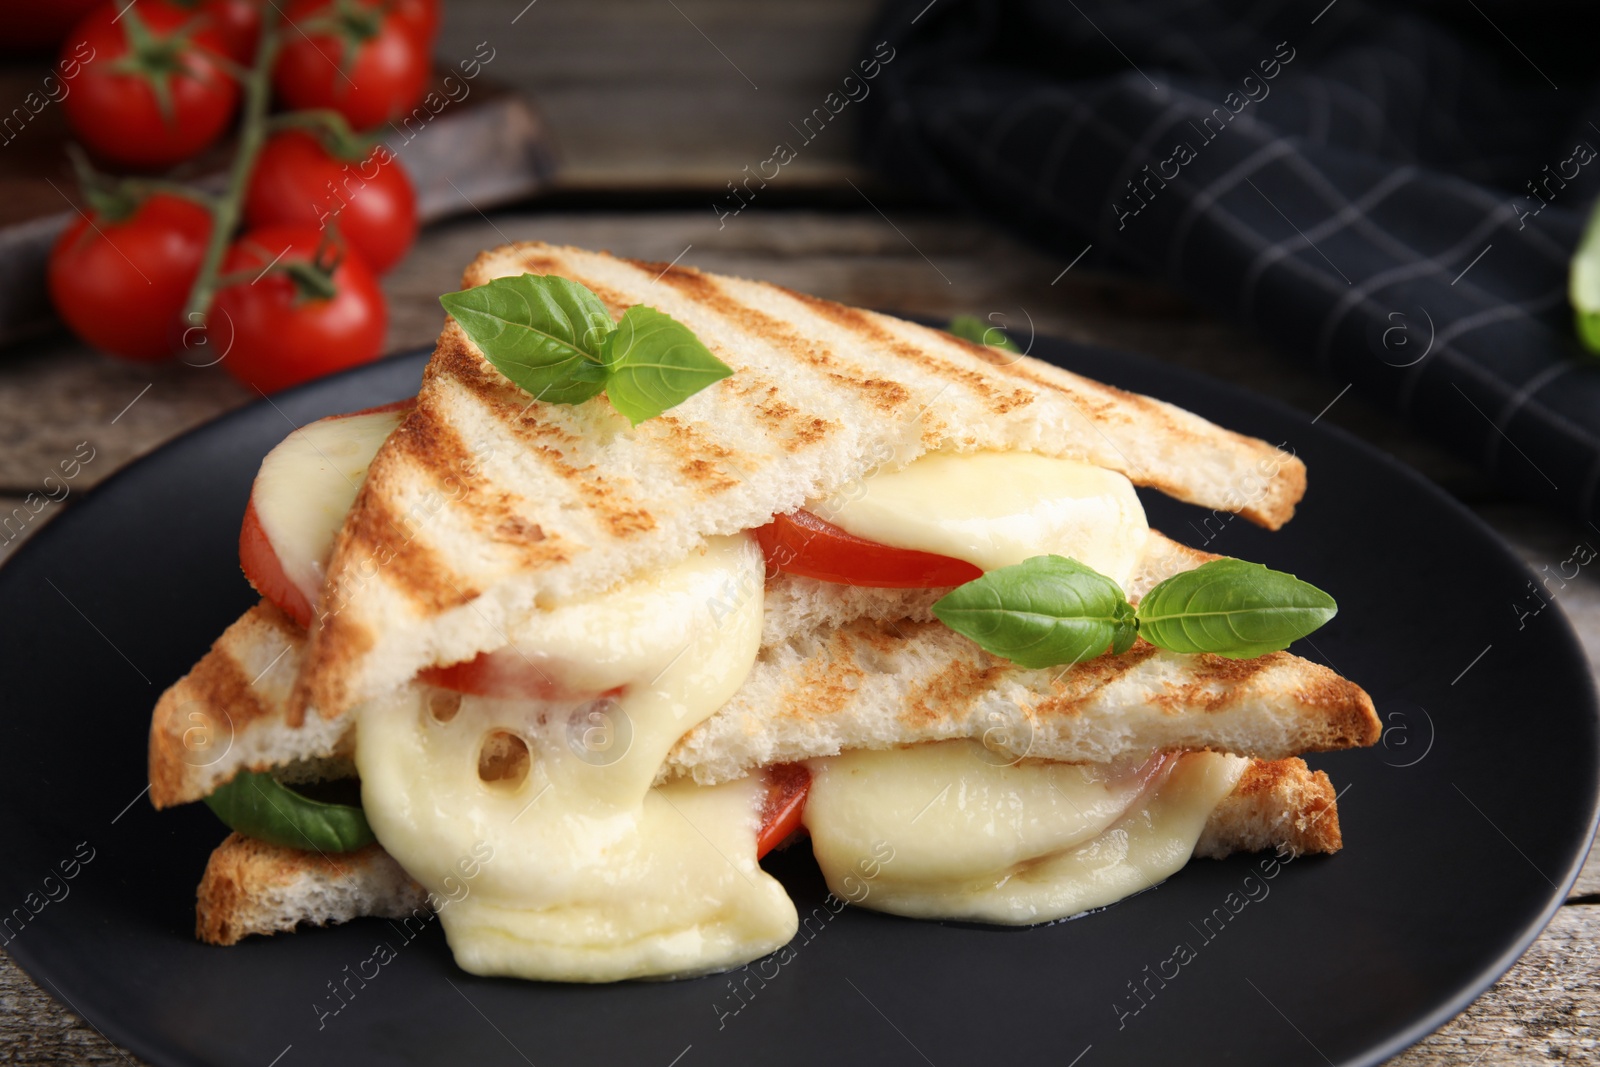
[1276,804]
[251,887]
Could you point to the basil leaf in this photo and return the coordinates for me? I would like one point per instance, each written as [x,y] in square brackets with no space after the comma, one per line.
[972,328]
[259,806]
[1232,608]
[1043,612]
[654,362]
[543,332]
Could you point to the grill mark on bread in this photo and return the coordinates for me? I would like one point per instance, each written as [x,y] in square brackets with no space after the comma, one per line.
[456,359]
[221,682]
[434,447]
[508,404]
[763,394]
[623,515]
[865,325]
[388,544]
[1076,686]
[824,685]
[1218,682]
[225,699]
[1355,723]
[886,396]
[952,690]
[323,682]
[620,513]
[699,458]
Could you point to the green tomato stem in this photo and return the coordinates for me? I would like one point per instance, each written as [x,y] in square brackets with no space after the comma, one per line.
[331,129]
[225,210]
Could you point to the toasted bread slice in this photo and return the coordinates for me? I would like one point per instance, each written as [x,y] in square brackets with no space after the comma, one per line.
[1277,804]
[882,685]
[254,888]
[229,713]
[487,504]
[251,887]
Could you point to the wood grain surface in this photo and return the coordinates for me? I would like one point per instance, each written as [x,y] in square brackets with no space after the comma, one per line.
[55,394]
[655,95]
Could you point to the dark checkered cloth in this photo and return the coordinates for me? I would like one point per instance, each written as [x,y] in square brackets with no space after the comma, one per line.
[1392,195]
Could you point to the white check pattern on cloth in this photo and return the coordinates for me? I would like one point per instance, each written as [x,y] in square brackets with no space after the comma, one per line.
[1379,180]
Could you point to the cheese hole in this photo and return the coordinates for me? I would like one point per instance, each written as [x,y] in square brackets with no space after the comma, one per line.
[503,759]
[443,705]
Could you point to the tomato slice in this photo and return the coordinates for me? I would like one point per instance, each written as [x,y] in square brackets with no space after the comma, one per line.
[263,569]
[788,785]
[801,543]
[260,560]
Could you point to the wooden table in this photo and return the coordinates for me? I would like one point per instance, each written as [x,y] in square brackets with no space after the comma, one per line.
[56,394]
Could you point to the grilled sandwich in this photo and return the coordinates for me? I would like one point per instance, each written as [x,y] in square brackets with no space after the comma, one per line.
[583,686]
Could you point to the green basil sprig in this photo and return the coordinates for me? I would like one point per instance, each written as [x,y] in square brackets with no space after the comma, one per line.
[259,806]
[1050,611]
[555,339]
[972,328]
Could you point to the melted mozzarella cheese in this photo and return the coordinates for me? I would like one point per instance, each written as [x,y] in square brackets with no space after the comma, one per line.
[994,509]
[592,875]
[307,484]
[938,831]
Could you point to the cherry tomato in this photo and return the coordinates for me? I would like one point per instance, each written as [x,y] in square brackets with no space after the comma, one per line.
[420,17]
[238,23]
[176,102]
[801,543]
[297,181]
[121,284]
[279,330]
[788,786]
[354,57]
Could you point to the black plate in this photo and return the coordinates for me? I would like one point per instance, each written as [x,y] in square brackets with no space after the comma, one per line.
[1463,830]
